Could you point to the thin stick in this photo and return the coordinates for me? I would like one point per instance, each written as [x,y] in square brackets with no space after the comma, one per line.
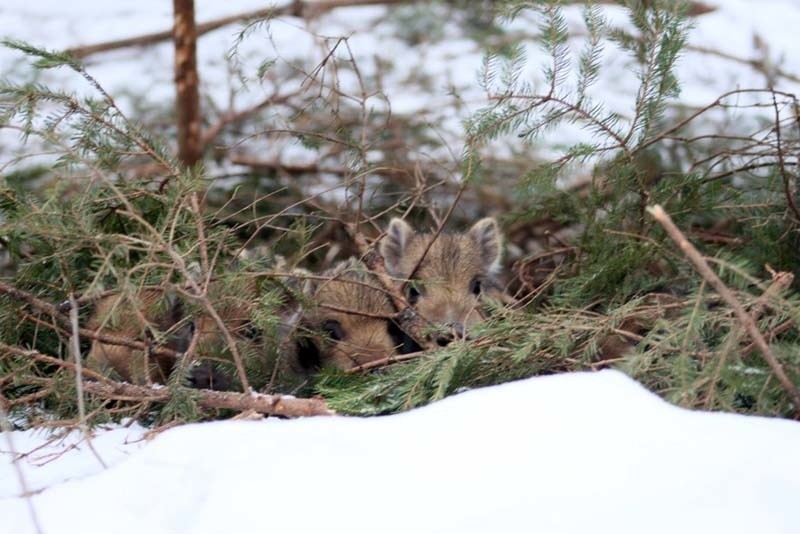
[782,163]
[780,282]
[385,362]
[744,318]
[23,483]
[75,348]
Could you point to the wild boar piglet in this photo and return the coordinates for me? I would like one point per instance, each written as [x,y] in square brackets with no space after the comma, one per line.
[350,319]
[446,277]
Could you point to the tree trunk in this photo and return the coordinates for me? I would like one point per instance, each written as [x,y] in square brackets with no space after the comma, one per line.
[187,101]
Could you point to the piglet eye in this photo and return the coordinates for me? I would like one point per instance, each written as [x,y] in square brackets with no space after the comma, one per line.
[476,286]
[412,294]
[333,329]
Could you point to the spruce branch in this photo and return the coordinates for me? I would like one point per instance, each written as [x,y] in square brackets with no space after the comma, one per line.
[745,319]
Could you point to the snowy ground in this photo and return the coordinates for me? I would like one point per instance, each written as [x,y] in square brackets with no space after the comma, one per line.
[575,453]
[579,453]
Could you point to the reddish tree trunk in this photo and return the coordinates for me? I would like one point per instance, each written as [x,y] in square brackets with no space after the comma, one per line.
[187,103]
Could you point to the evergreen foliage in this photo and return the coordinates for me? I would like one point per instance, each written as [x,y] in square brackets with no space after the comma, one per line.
[600,308]
[615,292]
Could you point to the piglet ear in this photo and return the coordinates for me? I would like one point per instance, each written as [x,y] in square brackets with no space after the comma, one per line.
[394,244]
[297,288]
[304,282]
[486,235]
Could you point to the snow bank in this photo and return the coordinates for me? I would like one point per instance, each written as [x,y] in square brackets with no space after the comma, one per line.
[571,453]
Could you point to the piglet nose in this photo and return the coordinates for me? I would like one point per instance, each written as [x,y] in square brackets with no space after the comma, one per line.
[457,329]
[452,330]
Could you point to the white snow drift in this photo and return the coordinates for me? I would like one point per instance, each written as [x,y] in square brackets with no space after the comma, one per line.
[575,453]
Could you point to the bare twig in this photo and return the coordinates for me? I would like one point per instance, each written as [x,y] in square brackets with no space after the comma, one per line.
[74,346]
[23,483]
[744,318]
[757,64]
[781,162]
[75,349]
[383,362]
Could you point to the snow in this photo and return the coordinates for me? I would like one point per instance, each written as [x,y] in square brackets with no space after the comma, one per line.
[435,81]
[562,454]
[572,453]
[51,458]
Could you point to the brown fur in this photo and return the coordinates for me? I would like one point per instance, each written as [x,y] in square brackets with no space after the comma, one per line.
[446,279]
[358,331]
[143,316]
[360,321]
[158,315]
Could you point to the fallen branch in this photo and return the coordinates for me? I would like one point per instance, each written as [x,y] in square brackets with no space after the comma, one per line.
[780,282]
[745,319]
[286,406]
[101,386]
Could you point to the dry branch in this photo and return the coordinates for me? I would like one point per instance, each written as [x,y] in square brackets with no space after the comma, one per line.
[780,282]
[376,364]
[101,386]
[744,318]
[286,406]
[760,65]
